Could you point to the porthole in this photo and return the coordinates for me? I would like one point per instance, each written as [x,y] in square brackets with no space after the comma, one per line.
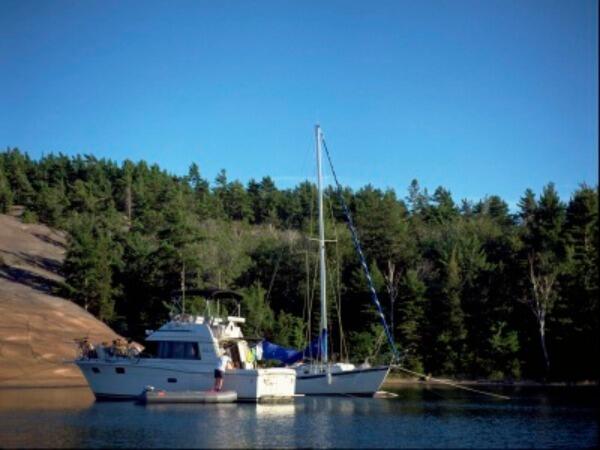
[95,370]
[120,370]
[172,380]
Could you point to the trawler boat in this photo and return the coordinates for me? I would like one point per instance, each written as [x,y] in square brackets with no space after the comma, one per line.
[185,354]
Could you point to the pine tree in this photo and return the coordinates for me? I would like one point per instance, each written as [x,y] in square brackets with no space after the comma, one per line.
[88,267]
[16,166]
[411,317]
[6,196]
[450,340]
[444,208]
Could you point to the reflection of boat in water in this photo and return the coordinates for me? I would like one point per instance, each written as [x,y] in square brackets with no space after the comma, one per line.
[185,354]
[319,376]
[275,410]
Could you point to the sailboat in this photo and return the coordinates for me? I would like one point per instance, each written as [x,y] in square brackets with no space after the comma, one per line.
[320,376]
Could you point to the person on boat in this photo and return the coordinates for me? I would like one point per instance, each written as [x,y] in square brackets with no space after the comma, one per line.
[223,364]
[119,347]
[87,349]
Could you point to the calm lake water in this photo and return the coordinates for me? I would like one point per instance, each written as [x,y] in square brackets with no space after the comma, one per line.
[418,417]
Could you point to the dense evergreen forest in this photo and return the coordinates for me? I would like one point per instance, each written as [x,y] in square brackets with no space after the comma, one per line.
[470,289]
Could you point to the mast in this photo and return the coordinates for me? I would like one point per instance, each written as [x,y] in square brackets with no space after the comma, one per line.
[323,281]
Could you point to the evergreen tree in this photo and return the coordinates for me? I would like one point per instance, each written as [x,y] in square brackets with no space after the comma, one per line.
[6,196]
[88,267]
[411,319]
[51,203]
[16,167]
[449,344]
[450,275]
[236,203]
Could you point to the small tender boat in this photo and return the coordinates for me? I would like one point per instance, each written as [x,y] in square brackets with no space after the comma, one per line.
[154,396]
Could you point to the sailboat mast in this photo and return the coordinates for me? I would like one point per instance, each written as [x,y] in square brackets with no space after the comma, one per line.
[323,281]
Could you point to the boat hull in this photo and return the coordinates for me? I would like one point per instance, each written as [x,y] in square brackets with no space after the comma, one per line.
[127,379]
[361,382]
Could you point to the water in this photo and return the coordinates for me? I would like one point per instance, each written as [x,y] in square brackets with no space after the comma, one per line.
[418,417]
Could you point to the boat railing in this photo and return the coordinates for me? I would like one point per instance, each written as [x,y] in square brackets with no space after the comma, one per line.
[116,351]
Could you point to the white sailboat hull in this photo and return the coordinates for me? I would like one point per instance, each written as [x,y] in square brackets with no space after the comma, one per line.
[350,382]
[128,379]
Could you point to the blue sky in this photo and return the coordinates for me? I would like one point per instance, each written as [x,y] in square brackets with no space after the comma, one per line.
[481,97]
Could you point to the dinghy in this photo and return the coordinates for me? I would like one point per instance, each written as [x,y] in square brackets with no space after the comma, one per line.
[151,396]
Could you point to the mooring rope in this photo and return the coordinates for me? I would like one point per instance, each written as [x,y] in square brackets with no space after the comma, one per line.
[449,383]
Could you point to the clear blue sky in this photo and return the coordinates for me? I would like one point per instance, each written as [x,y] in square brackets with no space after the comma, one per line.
[482,97]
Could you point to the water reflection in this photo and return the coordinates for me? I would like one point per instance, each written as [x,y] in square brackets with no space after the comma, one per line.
[417,418]
[273,411]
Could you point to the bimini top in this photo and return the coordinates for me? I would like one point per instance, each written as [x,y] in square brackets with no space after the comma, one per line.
[183,328]
[211,293]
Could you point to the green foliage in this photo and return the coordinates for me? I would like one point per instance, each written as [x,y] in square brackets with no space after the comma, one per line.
[29,217]
[6,195]
[460,281]
[288,330]
[258,314]
[503,346]
[17,167]
[89,264]
[411,318]
[51,203]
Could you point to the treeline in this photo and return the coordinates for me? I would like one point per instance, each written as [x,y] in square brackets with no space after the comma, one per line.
[470,289]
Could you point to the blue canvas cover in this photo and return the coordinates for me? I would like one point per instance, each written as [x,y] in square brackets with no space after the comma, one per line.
[290,355]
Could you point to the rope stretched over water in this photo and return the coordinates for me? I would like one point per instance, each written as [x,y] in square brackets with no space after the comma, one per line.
[450,383]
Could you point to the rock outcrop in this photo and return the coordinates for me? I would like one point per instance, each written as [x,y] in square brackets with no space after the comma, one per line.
[38,329]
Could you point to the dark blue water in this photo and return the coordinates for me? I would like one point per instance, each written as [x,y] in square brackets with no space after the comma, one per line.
[418,417]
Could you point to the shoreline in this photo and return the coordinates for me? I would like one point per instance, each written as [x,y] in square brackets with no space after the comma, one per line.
[390,383]
[399,381]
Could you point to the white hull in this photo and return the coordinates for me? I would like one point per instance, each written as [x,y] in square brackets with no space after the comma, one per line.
[351,382]
[125,378]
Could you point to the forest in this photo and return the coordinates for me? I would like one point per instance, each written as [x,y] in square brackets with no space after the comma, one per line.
[470,289]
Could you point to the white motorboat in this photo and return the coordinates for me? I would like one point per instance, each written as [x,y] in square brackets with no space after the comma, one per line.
[186,353]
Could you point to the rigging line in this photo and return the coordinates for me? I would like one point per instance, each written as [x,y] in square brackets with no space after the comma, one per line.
[363,261]
[450,383]
[285,227]
[336,287]
[274,275]
[308,297]
[311,302]
[377,347]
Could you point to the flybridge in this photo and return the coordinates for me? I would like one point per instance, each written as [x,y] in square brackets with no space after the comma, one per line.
[207,328]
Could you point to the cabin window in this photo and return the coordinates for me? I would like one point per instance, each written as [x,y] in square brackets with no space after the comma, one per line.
[120,370]
[178,350]
[172,380]
[95,370]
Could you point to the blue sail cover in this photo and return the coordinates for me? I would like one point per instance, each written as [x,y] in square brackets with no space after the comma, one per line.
[290,355]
